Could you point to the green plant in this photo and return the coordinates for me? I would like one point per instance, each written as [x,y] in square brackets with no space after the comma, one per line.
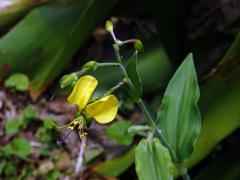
[30,46]
[12,126]
[19,147]
[170,136]
[18,81]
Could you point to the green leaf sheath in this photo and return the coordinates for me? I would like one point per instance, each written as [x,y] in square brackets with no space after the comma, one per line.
[133,74]
[178,117]
[57,31]
[153,161]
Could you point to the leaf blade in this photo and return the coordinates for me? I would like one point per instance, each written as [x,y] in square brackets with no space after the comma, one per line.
[57,32]
[153,160]
[178,117]
[132,70]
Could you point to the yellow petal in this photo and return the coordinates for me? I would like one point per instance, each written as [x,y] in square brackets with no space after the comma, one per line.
[82,91]
[104,110]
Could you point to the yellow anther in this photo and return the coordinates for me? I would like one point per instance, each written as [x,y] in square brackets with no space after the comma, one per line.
[70,127]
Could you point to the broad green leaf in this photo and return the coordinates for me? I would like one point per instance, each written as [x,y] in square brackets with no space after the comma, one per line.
[118,131]
[44,42]
[133,74]
[19,147]
[18,81]
[178,116]
[22,147]
[12,126]
[30,112]
[153,161]
[117,166]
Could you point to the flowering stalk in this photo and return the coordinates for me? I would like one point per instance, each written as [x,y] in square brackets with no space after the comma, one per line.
[120,84]
[141,104]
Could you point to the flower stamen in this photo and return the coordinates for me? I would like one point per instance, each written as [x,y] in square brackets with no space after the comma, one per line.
[65,126]
[64,138]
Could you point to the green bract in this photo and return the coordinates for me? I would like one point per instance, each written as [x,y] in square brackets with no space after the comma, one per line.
[68,80]
[132,70]
[91,65]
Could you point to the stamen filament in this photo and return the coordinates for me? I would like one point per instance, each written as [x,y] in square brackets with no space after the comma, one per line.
[64,125]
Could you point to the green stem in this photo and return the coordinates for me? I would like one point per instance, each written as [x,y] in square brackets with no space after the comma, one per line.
[145,111]
[183,172]
[128,41]
[83,71]
[122,69]
[120,84]
[107,64]
[157,131]
[142,105]
[186,176]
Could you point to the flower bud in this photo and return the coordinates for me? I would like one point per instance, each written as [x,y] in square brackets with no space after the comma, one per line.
[138,45]
[67,80]
[109,26]
[90,65]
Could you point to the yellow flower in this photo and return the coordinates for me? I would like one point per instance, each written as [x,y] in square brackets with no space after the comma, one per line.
[103,110]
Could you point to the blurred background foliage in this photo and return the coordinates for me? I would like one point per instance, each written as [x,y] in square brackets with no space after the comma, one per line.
[45,39]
